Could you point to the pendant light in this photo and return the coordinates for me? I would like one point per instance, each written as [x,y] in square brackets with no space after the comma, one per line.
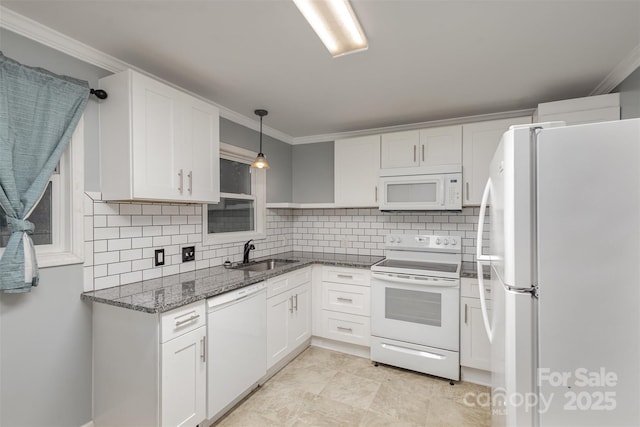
[261,161]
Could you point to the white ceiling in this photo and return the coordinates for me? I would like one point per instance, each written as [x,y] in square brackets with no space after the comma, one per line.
[427,60]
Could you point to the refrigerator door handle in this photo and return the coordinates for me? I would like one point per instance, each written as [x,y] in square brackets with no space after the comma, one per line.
[483,260]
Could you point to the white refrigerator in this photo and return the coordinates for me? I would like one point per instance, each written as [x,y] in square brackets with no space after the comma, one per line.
[564,214]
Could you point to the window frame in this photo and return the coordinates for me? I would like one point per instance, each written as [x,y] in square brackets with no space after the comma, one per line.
[258,194]
[67,208]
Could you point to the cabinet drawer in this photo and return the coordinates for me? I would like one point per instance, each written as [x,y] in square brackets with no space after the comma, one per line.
[283,283]
[351,276]
[346,327]
[469,288]
[345,298]
[182,320]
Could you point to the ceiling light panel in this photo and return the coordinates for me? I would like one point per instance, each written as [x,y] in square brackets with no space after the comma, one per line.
[335,23]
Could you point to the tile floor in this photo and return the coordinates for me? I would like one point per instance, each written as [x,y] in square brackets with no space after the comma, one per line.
[326,388]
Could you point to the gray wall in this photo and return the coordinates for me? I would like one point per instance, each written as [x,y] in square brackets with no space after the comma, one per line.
[630,96]
[313,173]
[34,54]
[45,335]
[45,353]
[278,154]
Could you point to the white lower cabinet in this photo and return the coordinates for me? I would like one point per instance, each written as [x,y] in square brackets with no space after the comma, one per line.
[149,369]
[184,379]
[475,348]
[288,314]
[344,311]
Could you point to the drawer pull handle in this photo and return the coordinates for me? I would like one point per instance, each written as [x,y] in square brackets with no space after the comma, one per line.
[345,299]
[203,347]
[190,319]
[345,276]
[296,300]
[342,328]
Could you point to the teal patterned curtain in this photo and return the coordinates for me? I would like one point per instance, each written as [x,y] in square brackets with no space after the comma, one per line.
[38,113]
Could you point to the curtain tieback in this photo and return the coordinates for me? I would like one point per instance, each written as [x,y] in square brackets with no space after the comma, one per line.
[20,225]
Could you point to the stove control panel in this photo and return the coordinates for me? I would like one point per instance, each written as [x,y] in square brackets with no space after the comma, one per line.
[424,242]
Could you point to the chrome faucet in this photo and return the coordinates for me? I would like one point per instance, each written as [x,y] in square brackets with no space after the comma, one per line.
[247,248]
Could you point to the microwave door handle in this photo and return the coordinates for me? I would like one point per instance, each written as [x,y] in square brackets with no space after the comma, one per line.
[442,198]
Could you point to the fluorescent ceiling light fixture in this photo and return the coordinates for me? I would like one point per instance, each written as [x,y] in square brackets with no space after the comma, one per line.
[336,25]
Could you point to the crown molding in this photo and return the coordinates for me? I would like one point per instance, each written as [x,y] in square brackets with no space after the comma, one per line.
[434,123]
[49,37]
[628,65]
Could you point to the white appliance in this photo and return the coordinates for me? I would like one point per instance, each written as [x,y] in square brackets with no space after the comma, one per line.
[415,303]
[565,275]
[237,342]
[432,188]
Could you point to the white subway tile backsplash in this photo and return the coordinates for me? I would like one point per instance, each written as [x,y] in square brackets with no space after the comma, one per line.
[170,210]
[130,209]
[106,209]
[106,257]
[142,242]
[119,268]
[125,236]
[155,209]
[106,233]
[141,220]
[118,220]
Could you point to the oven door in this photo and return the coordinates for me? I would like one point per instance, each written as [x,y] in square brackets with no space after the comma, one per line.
[416,309]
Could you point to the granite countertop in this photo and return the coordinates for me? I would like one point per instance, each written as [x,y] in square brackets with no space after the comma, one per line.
[166,293]
[470,271]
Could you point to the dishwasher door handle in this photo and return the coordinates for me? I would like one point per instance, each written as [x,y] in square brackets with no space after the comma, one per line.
[226,299]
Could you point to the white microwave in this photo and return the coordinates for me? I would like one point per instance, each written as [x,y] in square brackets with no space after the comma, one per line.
[421,189]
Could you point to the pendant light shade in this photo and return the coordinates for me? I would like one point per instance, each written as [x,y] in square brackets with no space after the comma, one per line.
[260,161]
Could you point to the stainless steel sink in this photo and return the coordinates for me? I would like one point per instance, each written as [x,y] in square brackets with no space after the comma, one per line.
[264,265]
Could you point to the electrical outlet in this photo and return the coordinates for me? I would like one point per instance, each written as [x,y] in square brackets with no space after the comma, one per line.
[188,253]
[158,257]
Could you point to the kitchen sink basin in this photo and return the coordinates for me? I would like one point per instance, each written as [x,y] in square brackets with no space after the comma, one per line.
[264,265]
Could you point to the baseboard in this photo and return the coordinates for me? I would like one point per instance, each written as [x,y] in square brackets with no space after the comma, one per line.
[89,424]
[476,376]
[342,347]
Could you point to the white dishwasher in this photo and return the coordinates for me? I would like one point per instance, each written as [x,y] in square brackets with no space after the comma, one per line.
[237,347]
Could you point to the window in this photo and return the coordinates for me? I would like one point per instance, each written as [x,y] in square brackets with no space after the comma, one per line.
[58,216]
[241,213]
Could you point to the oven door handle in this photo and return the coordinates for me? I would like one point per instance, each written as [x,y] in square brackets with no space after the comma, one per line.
[439,283]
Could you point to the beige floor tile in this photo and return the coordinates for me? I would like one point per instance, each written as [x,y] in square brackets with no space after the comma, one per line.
[445,412]
[352,390]
[309,378]
[321,411]
[400,406]
[326,388]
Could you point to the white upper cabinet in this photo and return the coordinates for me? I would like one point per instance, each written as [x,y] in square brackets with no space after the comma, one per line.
[400,149]
[479,143]
[590,109]
[156,142]
[426,147]
[356,169]
[441,146]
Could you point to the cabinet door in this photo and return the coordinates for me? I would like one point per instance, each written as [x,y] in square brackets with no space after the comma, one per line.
[475,348]
[184,370]
[479,143]
[157,129]
[441,146]
[300,324]
[400,149]
[279,313]
[202,153]
[356,169]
